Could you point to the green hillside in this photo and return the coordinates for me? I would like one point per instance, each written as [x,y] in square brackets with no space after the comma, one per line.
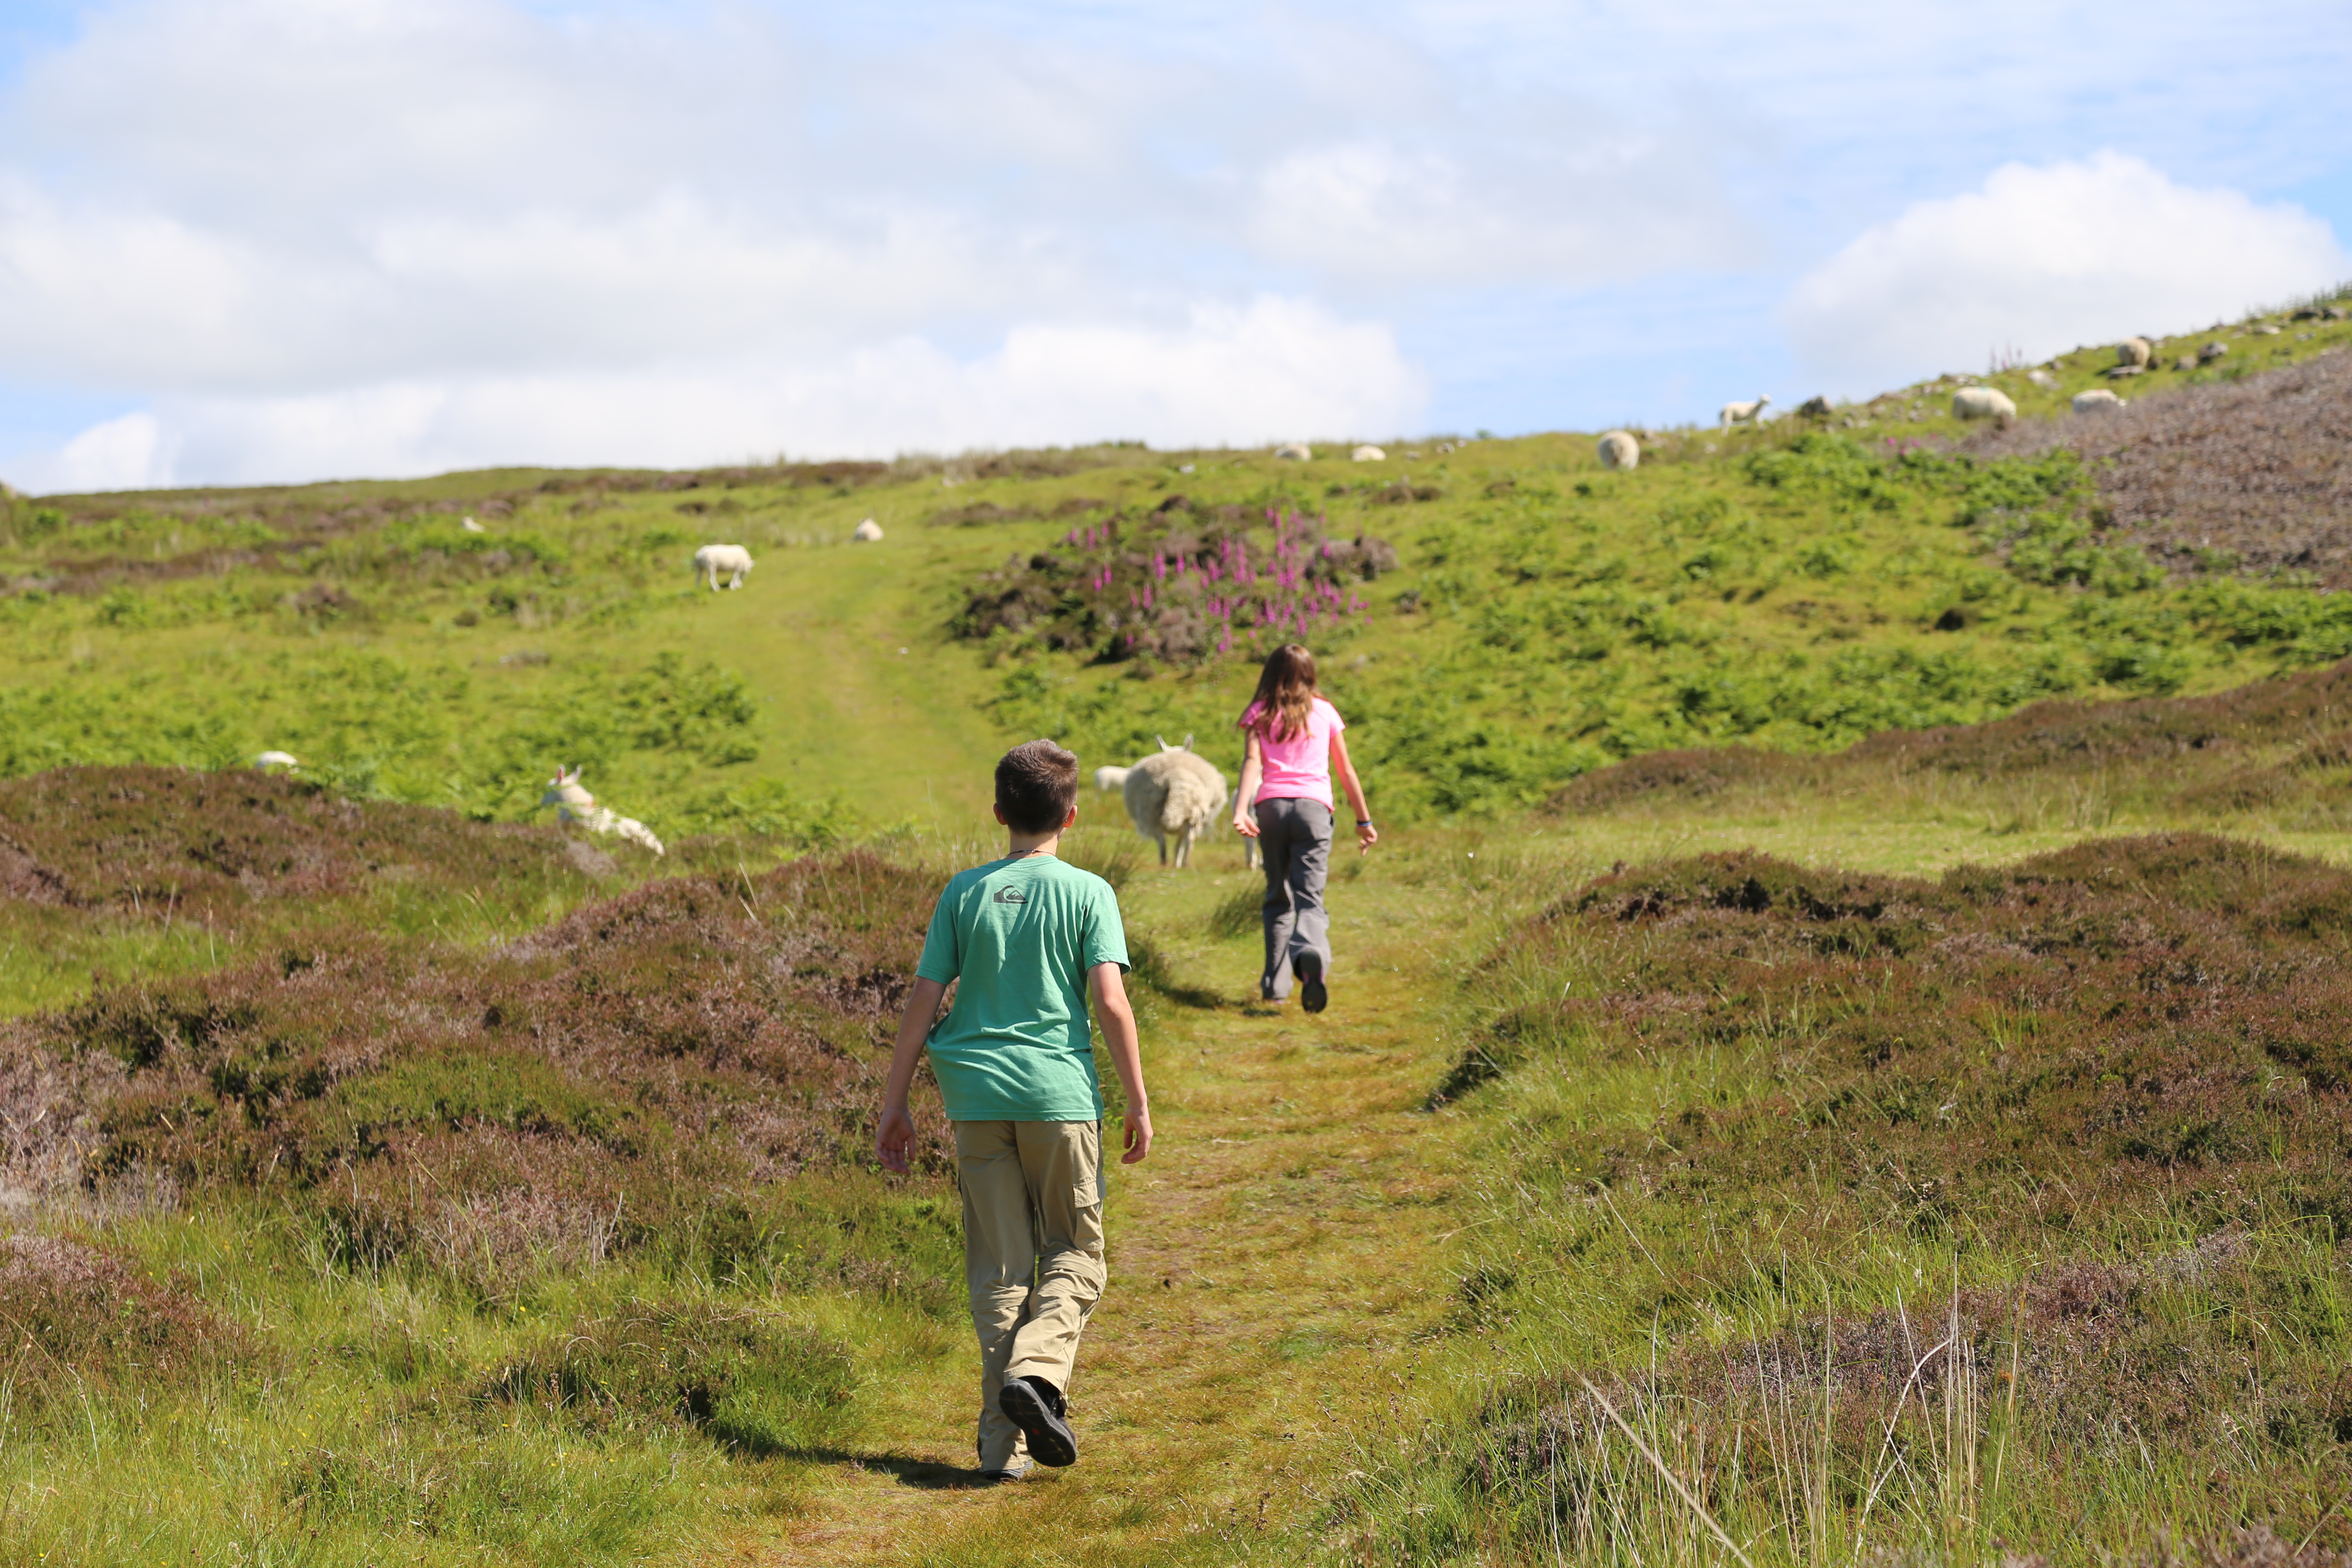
[1515,618]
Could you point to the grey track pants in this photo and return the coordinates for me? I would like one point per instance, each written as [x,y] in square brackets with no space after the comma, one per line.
[1295,835]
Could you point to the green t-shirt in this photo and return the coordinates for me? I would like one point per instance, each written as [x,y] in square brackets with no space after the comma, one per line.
[1020,935]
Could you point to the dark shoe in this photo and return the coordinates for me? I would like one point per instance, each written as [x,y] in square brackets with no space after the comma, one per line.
[1309,969]
[1036,1406]
[1004,1476]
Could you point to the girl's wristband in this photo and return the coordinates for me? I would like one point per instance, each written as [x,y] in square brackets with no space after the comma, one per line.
[1363,822]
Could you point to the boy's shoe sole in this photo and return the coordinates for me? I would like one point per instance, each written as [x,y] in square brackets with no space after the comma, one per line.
[1311,993]
[1051,1441]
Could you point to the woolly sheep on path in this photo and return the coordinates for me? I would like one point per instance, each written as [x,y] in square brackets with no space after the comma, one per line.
[1620,450]
[713,559]
[1174,794]
[1109,779]
[2098,401]
[572,803]
[1743,413]
[1982,402]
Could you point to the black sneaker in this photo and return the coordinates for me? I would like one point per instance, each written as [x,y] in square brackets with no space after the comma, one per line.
[1005,1477]
[1036,1406]
[1308,966]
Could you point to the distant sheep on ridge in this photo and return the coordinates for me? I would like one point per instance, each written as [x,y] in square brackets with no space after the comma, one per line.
[712,560]
[1743,413]
[1983,403]
[1620,450]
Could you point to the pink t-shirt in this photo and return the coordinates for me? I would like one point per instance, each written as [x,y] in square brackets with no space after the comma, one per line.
[1298,767]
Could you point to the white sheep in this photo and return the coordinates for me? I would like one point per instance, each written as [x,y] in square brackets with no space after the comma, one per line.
[1296,451]
[2042,379]
[268,760]
[2134,352]
[2099,400]
[1983,403]
[712,560]
[572,803]
[1743,413]
[1177,795]
[1107,779]
[1368,454]
[1620,450]
[868,532]
[470,526]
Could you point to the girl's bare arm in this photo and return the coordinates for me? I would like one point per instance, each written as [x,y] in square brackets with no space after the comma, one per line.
[1245,803]
[1345,771]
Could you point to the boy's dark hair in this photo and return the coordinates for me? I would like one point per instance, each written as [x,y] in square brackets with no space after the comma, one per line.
[1036,784]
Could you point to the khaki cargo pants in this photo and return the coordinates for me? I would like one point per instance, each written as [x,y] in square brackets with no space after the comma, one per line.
[1032,1250]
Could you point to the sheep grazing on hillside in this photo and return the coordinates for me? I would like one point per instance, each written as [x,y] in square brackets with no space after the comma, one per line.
[1368,454]
[2098,401]
[1983,403]
[1177,795]
[1296,451]
[268,760]
[2042,379]
[868,532]
[2134,352]
[572,803]
[1620,450]
[712,560]
[470,526]
[1109,779]
[1743,413]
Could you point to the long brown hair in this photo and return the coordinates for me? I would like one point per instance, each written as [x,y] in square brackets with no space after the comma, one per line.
[1285,690]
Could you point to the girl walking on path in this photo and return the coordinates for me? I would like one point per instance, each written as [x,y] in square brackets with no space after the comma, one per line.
[1295,746]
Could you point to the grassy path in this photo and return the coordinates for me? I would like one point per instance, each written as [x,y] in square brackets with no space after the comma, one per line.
[1271,1267]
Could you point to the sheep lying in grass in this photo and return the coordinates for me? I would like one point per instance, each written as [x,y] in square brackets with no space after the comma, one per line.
[1175,794]
[713,559]
[1620,450]
[1109,779]
[1743,413]
[572,803]
[2098,400]
[1296,451]
[268,760]
[866,532]
[1368,454]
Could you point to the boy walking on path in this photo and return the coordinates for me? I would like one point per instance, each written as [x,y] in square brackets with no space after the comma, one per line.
[1029,940]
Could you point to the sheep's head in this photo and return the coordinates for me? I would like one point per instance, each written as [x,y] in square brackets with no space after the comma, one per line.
[565,789]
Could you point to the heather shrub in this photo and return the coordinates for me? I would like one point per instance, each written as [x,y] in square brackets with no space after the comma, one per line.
[651,1072]
[78,1317]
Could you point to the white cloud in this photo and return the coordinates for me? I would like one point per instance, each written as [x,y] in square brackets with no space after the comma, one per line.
[1275,369]
[125,454]
[2043,260]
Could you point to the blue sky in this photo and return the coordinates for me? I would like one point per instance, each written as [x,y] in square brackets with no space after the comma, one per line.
[250,240]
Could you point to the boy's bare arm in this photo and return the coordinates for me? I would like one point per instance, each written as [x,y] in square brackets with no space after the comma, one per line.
[1118,1020]
[894,1135]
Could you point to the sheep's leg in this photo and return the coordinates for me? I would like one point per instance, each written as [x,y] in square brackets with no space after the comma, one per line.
[1161,840]
[1184,849]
